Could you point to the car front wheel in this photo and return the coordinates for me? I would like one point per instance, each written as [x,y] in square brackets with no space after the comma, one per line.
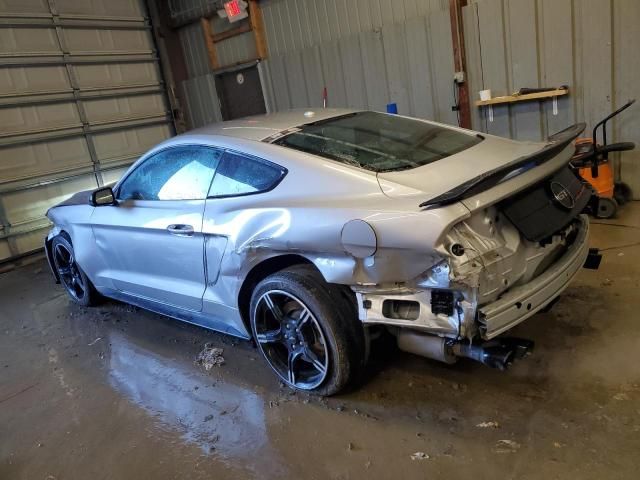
[308,330]
[74,280]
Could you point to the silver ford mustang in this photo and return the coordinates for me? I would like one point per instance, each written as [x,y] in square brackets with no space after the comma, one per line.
[312,232]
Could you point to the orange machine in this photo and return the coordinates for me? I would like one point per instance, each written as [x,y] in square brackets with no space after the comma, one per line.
[591,161]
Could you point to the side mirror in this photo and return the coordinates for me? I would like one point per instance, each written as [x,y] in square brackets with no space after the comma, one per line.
[102,196]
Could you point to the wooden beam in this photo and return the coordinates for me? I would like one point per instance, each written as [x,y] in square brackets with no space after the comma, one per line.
[233,32]
[257,25]
[247,62]
[172,60]
[523,98]
[460,60]
[207,31]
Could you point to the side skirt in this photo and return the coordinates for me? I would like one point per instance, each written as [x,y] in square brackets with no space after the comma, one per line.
[195,318]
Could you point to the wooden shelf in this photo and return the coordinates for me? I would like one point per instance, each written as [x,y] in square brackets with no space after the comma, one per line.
[522,98]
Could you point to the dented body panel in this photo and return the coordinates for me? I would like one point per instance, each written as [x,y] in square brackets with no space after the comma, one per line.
[360,229]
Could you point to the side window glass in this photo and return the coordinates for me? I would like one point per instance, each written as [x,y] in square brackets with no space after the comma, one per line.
[179,173]
[241,175]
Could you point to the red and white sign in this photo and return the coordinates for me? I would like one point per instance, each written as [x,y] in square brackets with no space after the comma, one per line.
[235,10]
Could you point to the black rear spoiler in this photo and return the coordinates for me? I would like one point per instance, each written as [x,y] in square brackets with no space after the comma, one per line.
[557,143]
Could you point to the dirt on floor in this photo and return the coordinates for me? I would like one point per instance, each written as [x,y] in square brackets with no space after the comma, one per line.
[115,392]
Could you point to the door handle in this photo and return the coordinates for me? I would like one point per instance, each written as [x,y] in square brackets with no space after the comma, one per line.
[180,230]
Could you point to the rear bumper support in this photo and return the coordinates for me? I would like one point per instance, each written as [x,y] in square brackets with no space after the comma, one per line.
[524,301]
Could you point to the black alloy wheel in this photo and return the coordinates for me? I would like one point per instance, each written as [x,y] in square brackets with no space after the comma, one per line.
[74,280]
[308,330]
[291,339]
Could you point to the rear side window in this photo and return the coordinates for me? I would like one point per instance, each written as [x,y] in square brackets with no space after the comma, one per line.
[241,175]
[179,173]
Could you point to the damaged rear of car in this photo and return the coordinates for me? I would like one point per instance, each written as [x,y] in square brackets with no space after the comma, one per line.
[499,223]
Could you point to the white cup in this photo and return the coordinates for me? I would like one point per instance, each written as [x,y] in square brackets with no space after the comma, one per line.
[485,95]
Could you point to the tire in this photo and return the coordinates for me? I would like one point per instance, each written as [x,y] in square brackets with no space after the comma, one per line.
[622,193]
[308,331]
[73,279]
[607,208]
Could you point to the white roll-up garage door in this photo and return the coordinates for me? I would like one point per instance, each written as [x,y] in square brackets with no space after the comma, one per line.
[81,97]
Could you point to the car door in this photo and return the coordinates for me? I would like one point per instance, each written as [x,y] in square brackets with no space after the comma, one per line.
[152,239]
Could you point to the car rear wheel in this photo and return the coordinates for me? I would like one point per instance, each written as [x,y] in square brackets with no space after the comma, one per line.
[308,331]
[73,279]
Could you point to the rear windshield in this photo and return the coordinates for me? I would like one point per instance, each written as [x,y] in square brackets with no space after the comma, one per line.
[378,142]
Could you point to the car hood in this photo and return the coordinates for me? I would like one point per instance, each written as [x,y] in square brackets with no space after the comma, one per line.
[78,198]
[439,177]
[81,198]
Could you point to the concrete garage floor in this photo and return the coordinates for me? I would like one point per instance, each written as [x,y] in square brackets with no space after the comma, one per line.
[113,393]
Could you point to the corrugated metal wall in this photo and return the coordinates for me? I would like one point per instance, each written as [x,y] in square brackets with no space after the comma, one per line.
[409,63]
[293,25]
[81,97]
[399,50]
[590,45]
[371,52]
[199,90]
[231,50]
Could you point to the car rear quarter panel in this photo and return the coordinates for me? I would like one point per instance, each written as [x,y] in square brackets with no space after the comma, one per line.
[305,215]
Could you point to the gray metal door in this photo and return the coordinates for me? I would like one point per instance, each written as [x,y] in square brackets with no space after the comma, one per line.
[240,93]
[81,97]
[148,256]
[153,237]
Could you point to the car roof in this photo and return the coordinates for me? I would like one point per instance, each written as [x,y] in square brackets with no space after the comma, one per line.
[260,127]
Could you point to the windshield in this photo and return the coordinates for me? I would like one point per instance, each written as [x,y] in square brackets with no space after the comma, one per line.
[378,142]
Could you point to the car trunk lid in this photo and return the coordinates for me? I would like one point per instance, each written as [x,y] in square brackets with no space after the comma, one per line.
[500,165]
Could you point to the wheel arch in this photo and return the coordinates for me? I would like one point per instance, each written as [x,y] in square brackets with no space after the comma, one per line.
[49,252]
